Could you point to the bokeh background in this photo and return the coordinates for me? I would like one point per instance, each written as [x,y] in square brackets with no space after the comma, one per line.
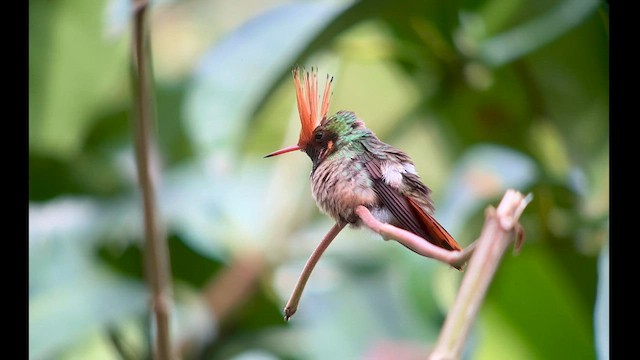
[483,94]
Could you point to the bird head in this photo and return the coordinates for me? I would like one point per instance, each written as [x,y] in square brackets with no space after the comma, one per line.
[311,115]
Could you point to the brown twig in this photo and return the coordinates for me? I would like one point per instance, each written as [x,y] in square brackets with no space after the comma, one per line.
[235,284]
[155,246]
[481,274]
[413,241]
[294,299]
[497,234]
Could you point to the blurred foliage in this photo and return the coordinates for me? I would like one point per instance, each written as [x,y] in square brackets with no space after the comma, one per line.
[483,94]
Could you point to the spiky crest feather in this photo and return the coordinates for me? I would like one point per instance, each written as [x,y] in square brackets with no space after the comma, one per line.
[307,98]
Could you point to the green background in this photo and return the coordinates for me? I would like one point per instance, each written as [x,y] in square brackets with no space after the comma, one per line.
[483,95]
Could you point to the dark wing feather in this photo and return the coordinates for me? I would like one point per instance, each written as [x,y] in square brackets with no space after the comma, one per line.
[391,198]
[409,214]
[434,230]
[398,206]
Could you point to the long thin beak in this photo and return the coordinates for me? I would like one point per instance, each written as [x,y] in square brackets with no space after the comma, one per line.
[285,150]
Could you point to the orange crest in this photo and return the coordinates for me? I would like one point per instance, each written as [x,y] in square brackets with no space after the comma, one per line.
[307,97]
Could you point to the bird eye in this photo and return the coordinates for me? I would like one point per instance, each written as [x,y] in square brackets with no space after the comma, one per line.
[319,135]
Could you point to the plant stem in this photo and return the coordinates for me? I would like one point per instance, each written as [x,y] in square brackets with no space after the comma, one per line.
[414,242]
[497,234]
[155,246]
[294,299]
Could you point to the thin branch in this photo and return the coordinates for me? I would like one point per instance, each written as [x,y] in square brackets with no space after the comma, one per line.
[387,231]
[294,299]
[235,284]
[224,294]
[507,219]
[414,242]
[155,245]
[497,234]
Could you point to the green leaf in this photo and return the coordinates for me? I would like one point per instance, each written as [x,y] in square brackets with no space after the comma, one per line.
[79,74]
[484,172]
[515,43]
[540,306]
[236,73]
[84,221]
[71,295]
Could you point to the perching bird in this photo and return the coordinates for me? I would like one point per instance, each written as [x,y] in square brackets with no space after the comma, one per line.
[352,167]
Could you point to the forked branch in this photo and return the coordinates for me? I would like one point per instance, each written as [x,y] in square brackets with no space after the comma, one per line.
[500,228]
[498,231]
[387,231]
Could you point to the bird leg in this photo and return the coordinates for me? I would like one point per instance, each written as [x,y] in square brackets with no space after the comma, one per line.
[294,299]
[415,242]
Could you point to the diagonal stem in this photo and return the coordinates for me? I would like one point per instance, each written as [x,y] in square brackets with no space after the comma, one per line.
[156,255]
[415,242]
[497,234]
[294,299]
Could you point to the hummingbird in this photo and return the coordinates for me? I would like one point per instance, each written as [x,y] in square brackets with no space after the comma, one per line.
[351,168]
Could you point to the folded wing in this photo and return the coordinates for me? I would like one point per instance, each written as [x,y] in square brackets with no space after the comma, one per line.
[406,209]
